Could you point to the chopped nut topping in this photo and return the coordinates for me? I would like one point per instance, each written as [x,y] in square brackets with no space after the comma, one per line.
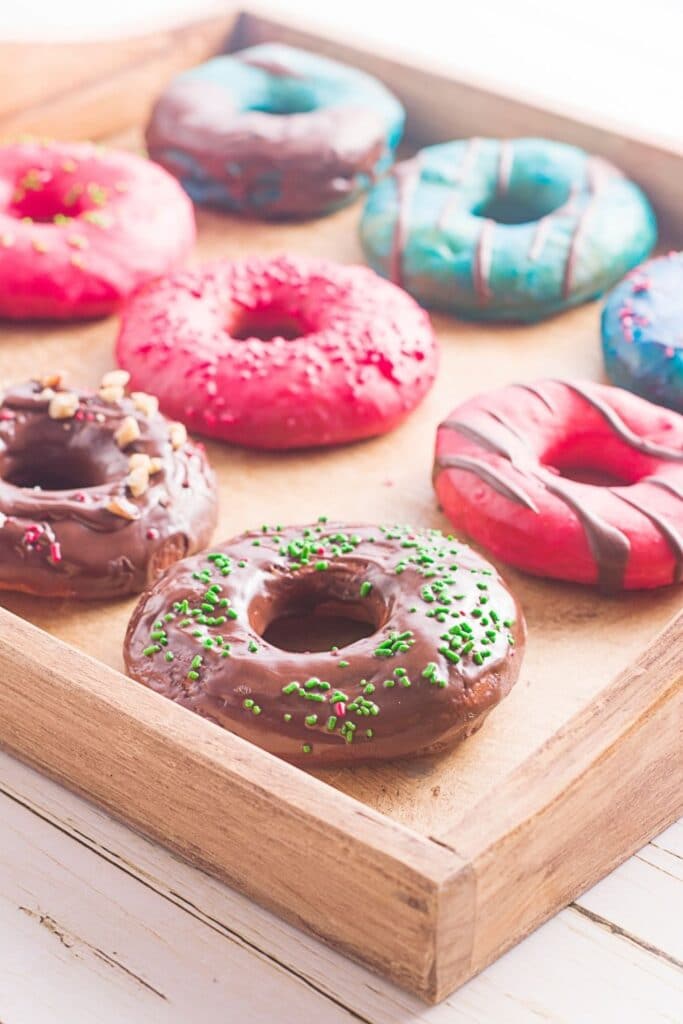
[111,394]
[128,432]
[138,459]
[155,465]
[46,394]
[177,434]
[51,380]
[144,403]
[137,481]
[122,507]
[63,405]
[115,379]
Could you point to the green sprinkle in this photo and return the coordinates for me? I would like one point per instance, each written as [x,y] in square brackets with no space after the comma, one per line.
[290,688]
[365,588]
[169,656]
[331,723]
[321,566]
[287,716]
[152,649]
[344,664]
[311,719]
[306,748]
[248,703]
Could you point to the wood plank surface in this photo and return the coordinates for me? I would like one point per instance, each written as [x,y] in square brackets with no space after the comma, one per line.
[98,925]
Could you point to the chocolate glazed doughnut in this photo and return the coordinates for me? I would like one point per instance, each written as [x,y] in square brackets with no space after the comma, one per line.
[98,492]
[275,132]
[445,646]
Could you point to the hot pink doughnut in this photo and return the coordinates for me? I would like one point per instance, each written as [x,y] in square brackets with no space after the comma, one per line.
[284,352]
[81,227]
[571,480]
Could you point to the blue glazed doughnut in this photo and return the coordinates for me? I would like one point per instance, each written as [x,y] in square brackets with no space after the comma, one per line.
[512,230]
[275,132]
[642,332]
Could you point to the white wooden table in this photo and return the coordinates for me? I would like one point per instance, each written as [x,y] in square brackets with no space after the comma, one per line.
[101,926]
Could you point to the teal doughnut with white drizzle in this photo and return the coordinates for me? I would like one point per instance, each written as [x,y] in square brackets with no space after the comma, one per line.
[514,229]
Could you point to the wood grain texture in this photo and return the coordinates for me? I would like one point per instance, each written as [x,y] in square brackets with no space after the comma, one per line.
[89,91]
[159,923]
[452,858]
[214,798]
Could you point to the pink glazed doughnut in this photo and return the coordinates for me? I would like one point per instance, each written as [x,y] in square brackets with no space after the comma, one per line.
[82,227]
[570,480]
[283,352]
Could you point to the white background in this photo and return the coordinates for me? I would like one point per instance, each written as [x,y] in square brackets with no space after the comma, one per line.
[621,59]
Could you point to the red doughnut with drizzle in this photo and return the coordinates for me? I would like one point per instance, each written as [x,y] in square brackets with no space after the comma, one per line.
[81,227]
[570,480]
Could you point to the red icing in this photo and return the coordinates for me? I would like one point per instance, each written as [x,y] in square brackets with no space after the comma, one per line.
[350,356]
[498,463]
[101,223]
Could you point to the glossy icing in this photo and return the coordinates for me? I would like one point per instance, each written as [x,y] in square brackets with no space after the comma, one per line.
[85,533]
[642,331]
[564,526]
[273,131]
[447,643]
[516,229]
[81,227]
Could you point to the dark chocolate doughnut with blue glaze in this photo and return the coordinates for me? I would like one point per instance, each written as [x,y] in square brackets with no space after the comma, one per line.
[275,132]
[642,332]
[513,229]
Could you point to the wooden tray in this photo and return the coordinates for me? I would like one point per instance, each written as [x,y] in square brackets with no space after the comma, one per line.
[428,870]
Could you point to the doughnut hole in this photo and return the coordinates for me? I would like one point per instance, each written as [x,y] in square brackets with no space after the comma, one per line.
[587,460]
[52,467]
[517,207]
[316,611]
[49,198]
[265,325]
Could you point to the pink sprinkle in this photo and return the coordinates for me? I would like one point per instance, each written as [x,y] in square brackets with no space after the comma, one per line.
[669,352]
[79,496]
[152,533]
[339,708]
[55,552]
[7,414]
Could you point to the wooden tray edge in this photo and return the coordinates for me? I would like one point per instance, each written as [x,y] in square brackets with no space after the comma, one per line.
[622,759]
[283,837]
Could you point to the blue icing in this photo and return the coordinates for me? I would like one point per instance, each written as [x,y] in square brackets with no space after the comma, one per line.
[642,332]
[505,230]
[278,79]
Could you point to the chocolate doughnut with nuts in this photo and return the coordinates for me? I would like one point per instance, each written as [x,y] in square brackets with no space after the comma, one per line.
[98,491]
[442,646]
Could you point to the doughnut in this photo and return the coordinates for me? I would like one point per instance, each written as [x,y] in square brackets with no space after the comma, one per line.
[98,491]
[81,227]
[513,229]
[642,332]
[283,352]
[569,480]
[444,647]
[275,132]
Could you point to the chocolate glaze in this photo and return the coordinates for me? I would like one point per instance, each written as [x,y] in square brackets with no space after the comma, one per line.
[412,586]
[66,542]
[610,547]
[639,444]
[320,157]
